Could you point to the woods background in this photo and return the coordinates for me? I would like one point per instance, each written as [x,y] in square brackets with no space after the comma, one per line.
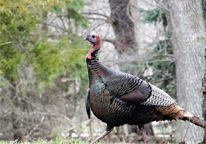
[43,75]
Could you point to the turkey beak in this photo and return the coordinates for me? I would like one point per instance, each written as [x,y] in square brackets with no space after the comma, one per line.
[85,38]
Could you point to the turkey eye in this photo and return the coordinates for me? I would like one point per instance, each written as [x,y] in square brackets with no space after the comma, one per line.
[93,36]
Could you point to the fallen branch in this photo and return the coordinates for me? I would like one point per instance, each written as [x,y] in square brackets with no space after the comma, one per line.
[42,119]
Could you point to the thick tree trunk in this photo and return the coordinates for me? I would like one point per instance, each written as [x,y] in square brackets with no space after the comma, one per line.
[125,38]
[188,39]
[123,26]
[204,90]
[204,100]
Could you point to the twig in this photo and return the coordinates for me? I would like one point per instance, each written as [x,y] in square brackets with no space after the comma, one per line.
[42,119]
[59,115]
[101,19]
[109,40]
[6,43]
[58,27]
[77,125]
[88,123]
[16,94]
[95,27]
[162,5]
[94,13]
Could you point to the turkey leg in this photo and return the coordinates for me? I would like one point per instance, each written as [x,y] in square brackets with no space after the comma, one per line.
[108,130]
[143,133]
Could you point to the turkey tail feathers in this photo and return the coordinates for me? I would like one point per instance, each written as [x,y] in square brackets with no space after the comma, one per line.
[175,112]
[193,119]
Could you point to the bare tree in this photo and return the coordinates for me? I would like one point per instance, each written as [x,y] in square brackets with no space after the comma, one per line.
[125,38]
[123,26]
[188,39]
[204,90]
[204,100]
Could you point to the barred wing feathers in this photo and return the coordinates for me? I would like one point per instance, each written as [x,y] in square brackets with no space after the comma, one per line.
[158,98]
[127,88]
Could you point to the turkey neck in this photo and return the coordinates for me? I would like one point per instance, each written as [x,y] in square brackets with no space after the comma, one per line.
[96,69]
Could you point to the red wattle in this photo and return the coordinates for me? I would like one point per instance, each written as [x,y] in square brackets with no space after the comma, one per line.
[89,56]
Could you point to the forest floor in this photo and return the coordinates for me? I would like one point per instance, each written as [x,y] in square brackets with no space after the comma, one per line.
[137,140]
[56,141]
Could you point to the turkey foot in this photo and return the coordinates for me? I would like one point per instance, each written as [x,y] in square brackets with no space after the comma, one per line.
[103,135]
[144,135]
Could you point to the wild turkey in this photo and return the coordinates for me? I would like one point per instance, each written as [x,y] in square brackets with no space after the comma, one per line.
[118,98]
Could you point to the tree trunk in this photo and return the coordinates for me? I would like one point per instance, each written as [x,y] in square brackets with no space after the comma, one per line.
[123,26]
[125,38]
[204,89]
[204,100]
[188,39]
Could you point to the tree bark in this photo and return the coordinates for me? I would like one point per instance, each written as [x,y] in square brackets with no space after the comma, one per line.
[204,89]
[125,38]
[204,100]
[188,39]
[123,26]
